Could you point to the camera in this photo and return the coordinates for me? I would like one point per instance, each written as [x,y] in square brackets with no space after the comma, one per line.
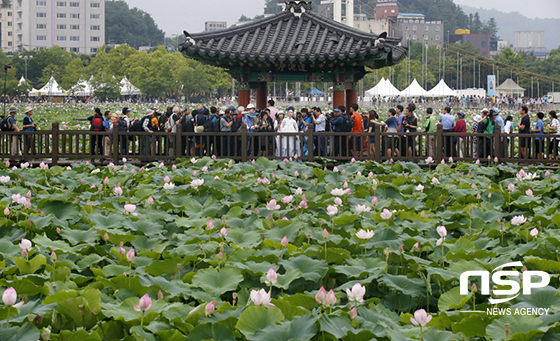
[6,67]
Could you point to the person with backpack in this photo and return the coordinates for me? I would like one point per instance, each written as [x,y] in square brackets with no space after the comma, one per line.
[431,127]
[97,125]
[9,124]
[358,128]
[170,126]
[29,126]
[188,127]
[107,138]
[216,122]
[225,127]
[487,127]
[124,127]
[475,125]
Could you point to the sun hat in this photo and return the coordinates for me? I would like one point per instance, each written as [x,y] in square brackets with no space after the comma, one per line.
[250,106]
[28,109]
[12,109]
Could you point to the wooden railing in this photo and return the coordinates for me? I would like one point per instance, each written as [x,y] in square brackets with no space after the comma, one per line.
[56,146]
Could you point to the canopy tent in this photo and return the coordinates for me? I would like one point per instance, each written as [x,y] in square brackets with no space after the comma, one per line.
[414,90]
[442,90]
[22,81]
[50,89]
[82,88]
[510,88]
[128,89]
[314,91]
[383,88]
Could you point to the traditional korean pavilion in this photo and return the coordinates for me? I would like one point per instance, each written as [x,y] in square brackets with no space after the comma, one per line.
[296,45]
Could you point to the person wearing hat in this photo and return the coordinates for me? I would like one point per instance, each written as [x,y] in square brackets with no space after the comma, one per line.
[97,125]
[248,118]
[431,127]
[447,122]
[475,125]
[147,126]
[487,127]
[29,126]
[460,127]
[14,147]
[124,127]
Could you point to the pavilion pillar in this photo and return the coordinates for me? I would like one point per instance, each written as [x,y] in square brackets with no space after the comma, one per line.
[339,94]
[244,95]
[351,94]
[262,95]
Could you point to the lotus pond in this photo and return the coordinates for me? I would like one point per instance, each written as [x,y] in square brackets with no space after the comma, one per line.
[213,250]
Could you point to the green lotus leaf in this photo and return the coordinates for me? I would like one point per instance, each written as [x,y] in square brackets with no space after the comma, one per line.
[216,282]
[256,318]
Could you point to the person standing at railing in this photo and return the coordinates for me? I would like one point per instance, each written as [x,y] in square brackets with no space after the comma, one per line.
[358,128]
[124,127]
[553,128]
[448,122]
[474,129]
[410,124]
[147,126]
[290,145]
[9,124]
[391,126]
[431,127]
[539,130]
[97,125]
[524,128]
[460,127]
[107,138]
[29,126]
[319,122]
[400,129]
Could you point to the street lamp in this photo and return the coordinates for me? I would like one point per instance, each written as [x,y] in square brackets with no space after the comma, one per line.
[26,58]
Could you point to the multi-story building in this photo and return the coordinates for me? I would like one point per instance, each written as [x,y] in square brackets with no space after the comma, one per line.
[480,41]
[6,27]
[529,41]
[77,26]
[369,25]
[414,27]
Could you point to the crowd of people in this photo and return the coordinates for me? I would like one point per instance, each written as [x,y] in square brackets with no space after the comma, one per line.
[343,132]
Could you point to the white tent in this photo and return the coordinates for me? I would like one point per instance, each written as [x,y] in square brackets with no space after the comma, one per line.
[22,81]
[383,88]
[442,90]
[50,89]
[471,92]
[414,90]
[83,88]
[128,89]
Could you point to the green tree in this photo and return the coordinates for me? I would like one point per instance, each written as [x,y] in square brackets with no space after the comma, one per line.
[73,72]
[134,27]
[106,86]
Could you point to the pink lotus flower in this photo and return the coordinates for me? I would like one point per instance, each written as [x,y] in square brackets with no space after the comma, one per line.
[417,245]
[10,297]
[210,308]
[331,298]
[450,159]
[442,231]
[374,201]
[262,298]
[106,181]
[130,255]
[534,232]
[335,169]
[529,192]
[511,187]
[58,230]
[122,251]
[338,201]
[133,171]
[117,191]
[348,191]
[271,205]
[435,181]
[303,204]
[25,245]
[287,199]
[209,225]
[144,304]
[386,214]
[166,179]
[357,293]
[284,241]
[150,201]
[6,211]
[332,210]
[321,296]
[223,232]
[421,318]
[353,313]
[271,277]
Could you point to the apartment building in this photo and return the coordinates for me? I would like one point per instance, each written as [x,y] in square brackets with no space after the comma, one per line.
[76,26]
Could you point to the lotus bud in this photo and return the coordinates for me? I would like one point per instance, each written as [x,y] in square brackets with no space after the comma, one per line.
[53,256]
[284,241]
[474,289]
[220,255]
[105,237]
[401,248]
[210,308]
[353,313]
[325,234]
[160,295]
[58,230]
[46,334]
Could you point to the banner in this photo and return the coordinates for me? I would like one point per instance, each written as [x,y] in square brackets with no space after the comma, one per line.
[491,85]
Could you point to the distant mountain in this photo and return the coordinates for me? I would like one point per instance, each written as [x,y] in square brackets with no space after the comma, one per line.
[515,21]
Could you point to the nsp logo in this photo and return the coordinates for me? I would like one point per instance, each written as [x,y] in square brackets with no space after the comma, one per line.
[499,277]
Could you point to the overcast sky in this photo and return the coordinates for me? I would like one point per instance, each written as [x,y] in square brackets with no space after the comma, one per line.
[174,16]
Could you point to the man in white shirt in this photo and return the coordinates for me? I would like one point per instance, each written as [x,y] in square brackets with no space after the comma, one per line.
[320,123]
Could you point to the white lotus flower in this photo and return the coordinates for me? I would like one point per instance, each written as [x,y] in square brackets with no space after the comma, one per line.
[518,220]
[129,208]
[338,192]
[386,214]
[357,293]
[261,297]
[420,188]
[435,181]
[197,183]
[4,179]
[366,235]
[168,186]
[332,210]
[362,209]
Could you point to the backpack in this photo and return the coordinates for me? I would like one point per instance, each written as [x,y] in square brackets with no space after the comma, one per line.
[482,126]
[208,126]
[97,123]
[347,124]
[236,125]
[168,126]
[217,123]
[136,126]
[123,127]
[5,124]
[188,125]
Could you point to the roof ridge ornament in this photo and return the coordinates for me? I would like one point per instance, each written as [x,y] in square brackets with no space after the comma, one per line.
[298,7]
